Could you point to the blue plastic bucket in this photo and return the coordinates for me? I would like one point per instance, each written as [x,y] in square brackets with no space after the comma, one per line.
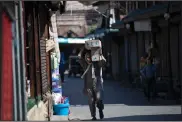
[61,109]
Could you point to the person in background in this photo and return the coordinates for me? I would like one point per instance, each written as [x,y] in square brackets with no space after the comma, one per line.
[148,72]
[62,67]
[142,65]
[72,64]
[142,62]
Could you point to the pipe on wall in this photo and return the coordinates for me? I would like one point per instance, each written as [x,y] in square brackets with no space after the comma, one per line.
[180,60]
[22,62]
[20,106]
[18,73]
[15,113]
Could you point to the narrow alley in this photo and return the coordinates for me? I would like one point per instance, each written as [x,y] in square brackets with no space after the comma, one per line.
[135,46]
[121,104]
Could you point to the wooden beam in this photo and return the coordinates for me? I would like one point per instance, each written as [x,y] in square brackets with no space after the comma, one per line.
[70,23]
[36,48]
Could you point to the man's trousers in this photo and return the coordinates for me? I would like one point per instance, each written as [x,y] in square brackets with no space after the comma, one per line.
[94,99]
[96,93]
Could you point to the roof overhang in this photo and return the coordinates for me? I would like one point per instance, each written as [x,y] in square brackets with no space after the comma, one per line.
[71,40]
[154,11]
[99,33]
[147,13]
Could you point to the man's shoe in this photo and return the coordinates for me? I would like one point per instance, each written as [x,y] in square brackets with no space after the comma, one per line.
[101,114]
[94,118]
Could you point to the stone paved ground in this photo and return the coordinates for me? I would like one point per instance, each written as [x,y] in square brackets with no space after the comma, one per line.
[121,103]
[59,118]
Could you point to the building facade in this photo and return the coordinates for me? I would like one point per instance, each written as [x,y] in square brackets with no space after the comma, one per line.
[12,67]
[25,75]
[149,23]
[143,24]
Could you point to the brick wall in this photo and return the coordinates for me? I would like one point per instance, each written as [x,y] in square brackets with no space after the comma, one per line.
[75,19]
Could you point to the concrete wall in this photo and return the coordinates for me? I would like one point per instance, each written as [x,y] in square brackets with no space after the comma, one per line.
[77,31]
[76,5]
[76,18]
[38,112]
[42,111]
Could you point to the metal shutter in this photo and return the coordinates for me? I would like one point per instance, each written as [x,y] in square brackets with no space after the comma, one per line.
[7,73]
[43,66]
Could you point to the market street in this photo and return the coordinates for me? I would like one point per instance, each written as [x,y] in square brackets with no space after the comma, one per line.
[120,104]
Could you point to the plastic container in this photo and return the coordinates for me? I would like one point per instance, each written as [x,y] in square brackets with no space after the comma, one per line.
[66,100]
[54,84]
[57,90]
[61,109]
[55,79]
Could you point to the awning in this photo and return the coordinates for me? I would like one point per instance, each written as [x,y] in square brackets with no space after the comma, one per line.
[146,13]
[72,40]
[157,10]
[99,33]
[50,44]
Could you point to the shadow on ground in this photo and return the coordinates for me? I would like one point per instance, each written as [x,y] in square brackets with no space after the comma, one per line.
[174,117]
[114,93]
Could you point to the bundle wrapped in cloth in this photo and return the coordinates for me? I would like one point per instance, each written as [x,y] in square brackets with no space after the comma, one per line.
[57,98]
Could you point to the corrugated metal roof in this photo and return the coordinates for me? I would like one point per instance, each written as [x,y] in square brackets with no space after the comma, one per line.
[140,12]
[145,10]
[156,10]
